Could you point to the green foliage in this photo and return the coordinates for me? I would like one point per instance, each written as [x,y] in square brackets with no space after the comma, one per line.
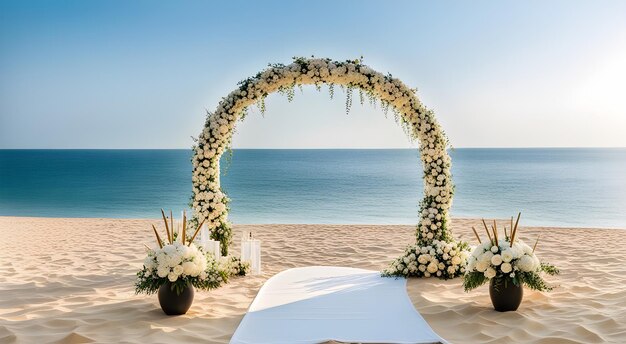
[223,234]
[531,279]
[349,91]
[148,283]
[550,269]
[474,280]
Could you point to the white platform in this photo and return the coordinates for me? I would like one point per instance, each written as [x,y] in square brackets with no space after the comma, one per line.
[323,303]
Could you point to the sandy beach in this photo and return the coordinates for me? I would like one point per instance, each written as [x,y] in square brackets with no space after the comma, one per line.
[71,281]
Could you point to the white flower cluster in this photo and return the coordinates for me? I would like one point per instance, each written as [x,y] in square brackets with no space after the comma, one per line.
[234,266]
[176,261]
[210,204]
[440,259]
[502,259]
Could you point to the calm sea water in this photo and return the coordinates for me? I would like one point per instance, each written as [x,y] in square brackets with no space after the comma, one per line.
[566,187]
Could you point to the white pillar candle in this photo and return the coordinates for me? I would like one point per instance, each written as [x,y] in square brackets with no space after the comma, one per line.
[251,253]
[213,247]
[204,235]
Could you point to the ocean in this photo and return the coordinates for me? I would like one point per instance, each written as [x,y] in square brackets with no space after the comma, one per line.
[583,187]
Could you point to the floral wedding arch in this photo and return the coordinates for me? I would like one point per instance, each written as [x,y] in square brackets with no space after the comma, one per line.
[434,240]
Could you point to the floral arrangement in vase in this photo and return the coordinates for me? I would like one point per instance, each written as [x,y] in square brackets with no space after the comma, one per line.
[508,264]
[178,265]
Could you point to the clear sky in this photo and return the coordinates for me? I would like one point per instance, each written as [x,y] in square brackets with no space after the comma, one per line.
[140,74]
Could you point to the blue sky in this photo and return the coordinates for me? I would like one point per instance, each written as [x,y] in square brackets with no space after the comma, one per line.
[140,74]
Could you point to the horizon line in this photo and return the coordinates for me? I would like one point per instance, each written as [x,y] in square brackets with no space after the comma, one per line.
[336,148]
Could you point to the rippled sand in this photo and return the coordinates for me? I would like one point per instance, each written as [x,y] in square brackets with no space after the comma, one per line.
[71,281]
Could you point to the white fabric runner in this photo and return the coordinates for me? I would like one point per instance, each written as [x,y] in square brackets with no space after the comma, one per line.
[322,303]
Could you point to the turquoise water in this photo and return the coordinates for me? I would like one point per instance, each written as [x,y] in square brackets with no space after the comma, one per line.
[566,187]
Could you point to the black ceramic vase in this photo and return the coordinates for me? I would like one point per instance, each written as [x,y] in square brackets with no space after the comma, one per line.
[172,303]
[505,296]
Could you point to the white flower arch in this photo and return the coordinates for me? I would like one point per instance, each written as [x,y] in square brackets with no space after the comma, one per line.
[210,203]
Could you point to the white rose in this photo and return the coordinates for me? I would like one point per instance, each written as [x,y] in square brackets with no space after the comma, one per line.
[432,267]
[525,263]
[178,270]
[456,260]
[163,271]
[506,267]
[486,257]
[490,273]
[172,277]
[507,255]
[495,249]
[189,268]
[481,266]
[496,260]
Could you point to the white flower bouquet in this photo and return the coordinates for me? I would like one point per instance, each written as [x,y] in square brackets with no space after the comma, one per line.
[507,260]
[441,259]
[181,263]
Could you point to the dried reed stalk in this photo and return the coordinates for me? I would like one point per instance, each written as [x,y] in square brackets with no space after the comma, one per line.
[169,238]
[536,242]
[495,232]
[514,233]
[172,224]
[184,227]
[487,229]
[196,233]
[476,234]
[157,236]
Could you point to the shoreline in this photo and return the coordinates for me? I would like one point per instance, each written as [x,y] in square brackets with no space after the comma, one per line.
[463,219]
[70,280]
